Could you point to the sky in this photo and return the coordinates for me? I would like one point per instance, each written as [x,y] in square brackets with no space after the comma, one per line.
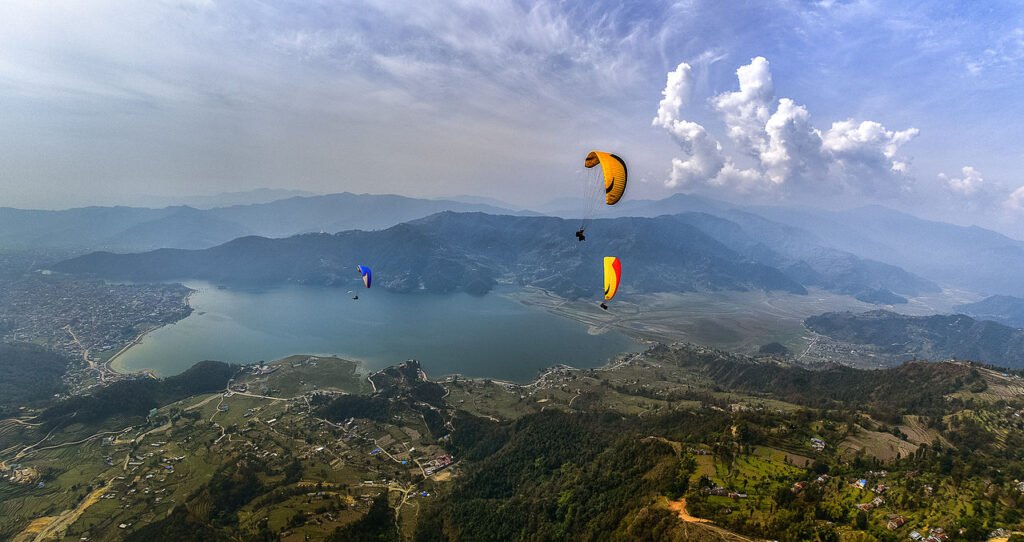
[912,105]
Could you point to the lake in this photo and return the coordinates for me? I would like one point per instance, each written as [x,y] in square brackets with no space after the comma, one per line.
[490,336]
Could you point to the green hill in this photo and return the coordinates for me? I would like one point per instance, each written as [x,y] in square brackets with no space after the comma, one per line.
[935,337]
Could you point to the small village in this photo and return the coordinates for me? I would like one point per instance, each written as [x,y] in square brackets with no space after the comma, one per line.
[266,415]
[19,474]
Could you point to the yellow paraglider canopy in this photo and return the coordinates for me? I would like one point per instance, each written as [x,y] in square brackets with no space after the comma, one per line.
[614,174]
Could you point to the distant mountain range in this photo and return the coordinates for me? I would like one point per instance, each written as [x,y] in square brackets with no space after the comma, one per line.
[134,229]
[1004,309]
[967,257]
[874,253]
[473,252]
[936,337]
[223,199]
[805,258]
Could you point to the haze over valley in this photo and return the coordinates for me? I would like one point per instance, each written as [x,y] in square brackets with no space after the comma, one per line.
[511,270]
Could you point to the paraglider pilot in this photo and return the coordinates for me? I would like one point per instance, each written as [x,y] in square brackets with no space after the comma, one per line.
[613,169]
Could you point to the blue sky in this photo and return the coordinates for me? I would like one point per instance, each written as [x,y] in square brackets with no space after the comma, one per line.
[106,102]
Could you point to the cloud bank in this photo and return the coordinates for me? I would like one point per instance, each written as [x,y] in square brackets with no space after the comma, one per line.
[787,154]
[772,151]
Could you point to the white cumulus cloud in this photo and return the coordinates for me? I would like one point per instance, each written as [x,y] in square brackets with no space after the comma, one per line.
[704,152]
[1015,201]
[705,161]
[867,154]
[969,183]
[791,154]
[678,89]
[746,111]
[794,148]
[971,192]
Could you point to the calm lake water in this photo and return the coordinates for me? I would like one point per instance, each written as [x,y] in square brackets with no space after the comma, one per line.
[490,336]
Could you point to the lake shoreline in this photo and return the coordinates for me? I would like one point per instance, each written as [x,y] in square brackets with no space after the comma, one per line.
[486,342]
[112,365]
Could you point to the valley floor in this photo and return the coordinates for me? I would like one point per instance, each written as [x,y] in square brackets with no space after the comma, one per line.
[733,321]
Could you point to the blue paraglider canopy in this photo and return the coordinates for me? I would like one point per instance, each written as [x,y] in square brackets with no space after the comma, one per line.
[366,273]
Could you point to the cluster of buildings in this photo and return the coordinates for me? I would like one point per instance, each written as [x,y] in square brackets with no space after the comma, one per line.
[74,315]
[829,350]
[719,491]
[800,486]
[879,489]
[16,473]
[146,477]
[895,522]
[934,535]
[868,506]
[262,370]
[862,484]
[436,464]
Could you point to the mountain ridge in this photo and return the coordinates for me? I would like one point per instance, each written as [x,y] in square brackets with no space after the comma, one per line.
[473,252]
[121,228]
[1005,309]
[936,337]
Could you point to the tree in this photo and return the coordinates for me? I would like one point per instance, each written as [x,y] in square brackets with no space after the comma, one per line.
[377,525]
[861,521]
[681,478]
[972,528]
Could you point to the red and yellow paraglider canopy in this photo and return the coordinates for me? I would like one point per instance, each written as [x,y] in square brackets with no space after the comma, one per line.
[612,276]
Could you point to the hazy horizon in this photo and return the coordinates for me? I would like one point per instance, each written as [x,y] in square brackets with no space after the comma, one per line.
[820,104]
